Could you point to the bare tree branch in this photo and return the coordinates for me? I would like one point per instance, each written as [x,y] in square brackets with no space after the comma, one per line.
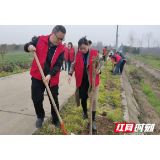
[131,39]
[141,41]
[148,38]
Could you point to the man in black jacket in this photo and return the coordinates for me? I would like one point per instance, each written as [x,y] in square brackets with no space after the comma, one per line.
[38,87]
[124,61]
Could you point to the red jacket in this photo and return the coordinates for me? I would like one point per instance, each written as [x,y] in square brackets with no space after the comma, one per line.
[118,58]
[79,65]
[41,51]
[70,54]
[65,52]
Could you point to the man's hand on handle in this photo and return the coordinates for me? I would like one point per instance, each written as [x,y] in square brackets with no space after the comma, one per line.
[31,48]
[47,79]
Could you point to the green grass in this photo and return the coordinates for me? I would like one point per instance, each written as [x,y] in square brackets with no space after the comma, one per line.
[131,68]
[4,74]
[133,81]
[71,114]
[151,96]
[152,60]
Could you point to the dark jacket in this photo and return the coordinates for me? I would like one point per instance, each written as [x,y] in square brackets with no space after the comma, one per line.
[122,55]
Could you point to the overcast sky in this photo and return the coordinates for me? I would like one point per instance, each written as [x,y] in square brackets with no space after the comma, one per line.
[21,34]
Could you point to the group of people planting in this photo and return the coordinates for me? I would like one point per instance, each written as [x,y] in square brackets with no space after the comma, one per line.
[51,54]
[119,60]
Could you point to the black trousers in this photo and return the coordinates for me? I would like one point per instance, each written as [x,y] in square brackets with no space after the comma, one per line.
[37,91]
[83,91]
[122,65]
[104,58]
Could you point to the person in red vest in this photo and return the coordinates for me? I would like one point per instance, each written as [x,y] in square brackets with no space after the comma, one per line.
[104,53]
[65,53]
[118,61]
[82,66]
[65,50]
[50,52]
[70,54]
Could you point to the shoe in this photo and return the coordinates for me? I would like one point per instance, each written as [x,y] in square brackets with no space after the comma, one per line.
[39,122]
[57,123]
[85,116]
[94,129]
[62,69]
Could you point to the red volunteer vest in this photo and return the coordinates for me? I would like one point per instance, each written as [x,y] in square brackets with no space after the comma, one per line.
[41,51]
[104,53]
[65,52]
[118,58]
[79,65]
[70,54]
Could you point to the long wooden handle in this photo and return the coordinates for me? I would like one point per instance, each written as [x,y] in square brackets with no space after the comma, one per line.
[46,84]
[92,91]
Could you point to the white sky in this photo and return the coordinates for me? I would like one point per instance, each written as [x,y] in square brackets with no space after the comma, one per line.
[21,34]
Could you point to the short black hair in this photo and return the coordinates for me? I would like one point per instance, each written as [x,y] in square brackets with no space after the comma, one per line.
[90,42]
[82,41]
[59,28]
[33,38]
[71,44]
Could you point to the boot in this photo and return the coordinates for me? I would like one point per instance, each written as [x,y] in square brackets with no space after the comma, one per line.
[84,106]
[94,129]
[56,123]
[85,116]
[39,122]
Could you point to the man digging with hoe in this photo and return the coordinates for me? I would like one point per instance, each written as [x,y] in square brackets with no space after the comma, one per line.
[50,52]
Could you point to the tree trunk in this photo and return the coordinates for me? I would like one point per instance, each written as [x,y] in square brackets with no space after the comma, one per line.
[3,62]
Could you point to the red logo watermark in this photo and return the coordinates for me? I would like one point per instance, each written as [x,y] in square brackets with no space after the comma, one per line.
[132,127]
[124,127]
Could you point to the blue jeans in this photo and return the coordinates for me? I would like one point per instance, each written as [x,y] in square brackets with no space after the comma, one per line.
[118,67]
[66,63]
[69,65]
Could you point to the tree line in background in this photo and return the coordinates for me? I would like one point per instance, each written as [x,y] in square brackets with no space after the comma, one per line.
[153,45]
[12,47]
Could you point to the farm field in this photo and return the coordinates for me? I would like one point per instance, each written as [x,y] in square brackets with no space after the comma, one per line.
[152,60]
[17,59]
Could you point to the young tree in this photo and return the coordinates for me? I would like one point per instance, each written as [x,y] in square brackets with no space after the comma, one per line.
[131,40]
[148,38]
[2,54]
[140,41]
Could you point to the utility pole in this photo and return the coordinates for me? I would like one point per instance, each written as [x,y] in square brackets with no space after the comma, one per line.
[117,39]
